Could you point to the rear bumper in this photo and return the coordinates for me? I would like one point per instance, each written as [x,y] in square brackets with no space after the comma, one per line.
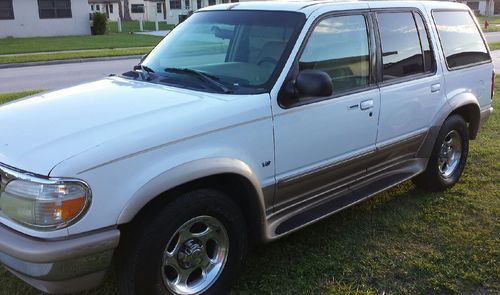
[58,266]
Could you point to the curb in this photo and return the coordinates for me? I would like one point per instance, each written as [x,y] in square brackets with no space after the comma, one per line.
[67,61]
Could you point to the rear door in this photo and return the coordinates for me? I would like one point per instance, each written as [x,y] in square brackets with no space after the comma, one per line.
[411,84]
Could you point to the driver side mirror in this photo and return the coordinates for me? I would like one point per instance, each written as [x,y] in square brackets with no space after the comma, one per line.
[309,83]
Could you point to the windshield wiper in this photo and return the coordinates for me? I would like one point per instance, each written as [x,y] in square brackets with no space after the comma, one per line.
[145,71]
[203,76]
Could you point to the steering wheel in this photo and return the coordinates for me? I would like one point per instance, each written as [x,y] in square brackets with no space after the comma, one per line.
[269,60]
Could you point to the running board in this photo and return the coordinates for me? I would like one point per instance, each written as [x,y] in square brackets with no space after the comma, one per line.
[352,196]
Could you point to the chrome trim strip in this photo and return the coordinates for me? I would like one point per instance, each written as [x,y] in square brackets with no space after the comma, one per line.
[8,174]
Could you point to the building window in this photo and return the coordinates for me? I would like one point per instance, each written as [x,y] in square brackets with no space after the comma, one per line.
[92,7]
[225,1]
[235,1]
[211,2]
[54,8]
[111,8]
[158,8]
[6,9]
[137,8]
[98,7]
[198,4]
[187,4]
[175,4]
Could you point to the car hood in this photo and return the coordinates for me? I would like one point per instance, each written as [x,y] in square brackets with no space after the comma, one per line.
[39,132]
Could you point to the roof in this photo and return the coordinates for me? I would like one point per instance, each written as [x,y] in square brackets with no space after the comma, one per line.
[308,7]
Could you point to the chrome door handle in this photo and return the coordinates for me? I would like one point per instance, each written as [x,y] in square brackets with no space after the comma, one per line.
[366,104]
[435,87]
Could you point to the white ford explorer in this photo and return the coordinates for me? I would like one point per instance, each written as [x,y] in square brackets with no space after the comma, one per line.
[248,122]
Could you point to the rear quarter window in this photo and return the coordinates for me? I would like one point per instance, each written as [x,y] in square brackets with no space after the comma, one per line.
[460,39]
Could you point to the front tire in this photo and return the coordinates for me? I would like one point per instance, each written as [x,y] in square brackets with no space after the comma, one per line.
[194,245]
[448,157]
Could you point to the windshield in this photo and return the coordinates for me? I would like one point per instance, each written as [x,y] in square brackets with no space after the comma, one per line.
[241,50]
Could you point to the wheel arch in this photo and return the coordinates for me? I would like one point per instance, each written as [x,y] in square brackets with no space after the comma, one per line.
[231,176]
[465,105]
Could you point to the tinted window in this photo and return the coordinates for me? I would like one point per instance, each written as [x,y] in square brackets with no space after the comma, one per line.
[339,47]
[401,53]
[54,8]
[6,11]
[429,60]
[460,38]
[241,49]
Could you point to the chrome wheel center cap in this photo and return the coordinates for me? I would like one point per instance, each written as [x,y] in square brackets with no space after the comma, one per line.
[190,255]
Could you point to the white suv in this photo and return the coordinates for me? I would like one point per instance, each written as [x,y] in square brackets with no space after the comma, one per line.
[247,122]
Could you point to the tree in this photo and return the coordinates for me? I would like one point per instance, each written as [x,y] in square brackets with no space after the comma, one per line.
[126,8]
[120,9]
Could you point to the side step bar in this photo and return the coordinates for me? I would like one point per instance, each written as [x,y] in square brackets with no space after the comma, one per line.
[343,201]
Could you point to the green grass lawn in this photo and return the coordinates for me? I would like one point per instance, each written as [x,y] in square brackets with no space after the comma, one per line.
[73,55]
[133,26]
[492,20]
[49,44]
[6,97]
[494,46]
[403,241]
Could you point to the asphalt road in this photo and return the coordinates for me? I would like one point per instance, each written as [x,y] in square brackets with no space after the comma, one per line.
[492,36]
[52,77]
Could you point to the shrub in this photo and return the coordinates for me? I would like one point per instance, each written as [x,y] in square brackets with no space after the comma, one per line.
[99,23]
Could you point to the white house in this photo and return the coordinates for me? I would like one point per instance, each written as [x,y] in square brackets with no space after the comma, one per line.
[178,10]
[484,7]
[172,11]
[30,18]
[110,7]
[147,10]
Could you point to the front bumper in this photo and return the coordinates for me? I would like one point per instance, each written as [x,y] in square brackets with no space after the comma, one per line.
[58,266]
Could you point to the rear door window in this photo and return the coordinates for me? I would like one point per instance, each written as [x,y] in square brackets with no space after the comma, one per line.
[460,38]
[402,49]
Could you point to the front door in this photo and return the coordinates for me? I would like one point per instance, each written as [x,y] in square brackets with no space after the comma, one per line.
[321,142]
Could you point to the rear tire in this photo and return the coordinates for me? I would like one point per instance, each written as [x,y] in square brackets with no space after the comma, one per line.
[448,157]
[194,245]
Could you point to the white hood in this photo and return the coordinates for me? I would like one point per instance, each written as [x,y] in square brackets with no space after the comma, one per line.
[39,132]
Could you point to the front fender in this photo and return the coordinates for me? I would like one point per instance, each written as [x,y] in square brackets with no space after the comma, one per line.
[186,173]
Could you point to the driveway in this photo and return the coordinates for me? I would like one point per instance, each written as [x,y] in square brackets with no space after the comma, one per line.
[492,37]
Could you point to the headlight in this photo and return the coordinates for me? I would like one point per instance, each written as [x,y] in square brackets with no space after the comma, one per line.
[51,205]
